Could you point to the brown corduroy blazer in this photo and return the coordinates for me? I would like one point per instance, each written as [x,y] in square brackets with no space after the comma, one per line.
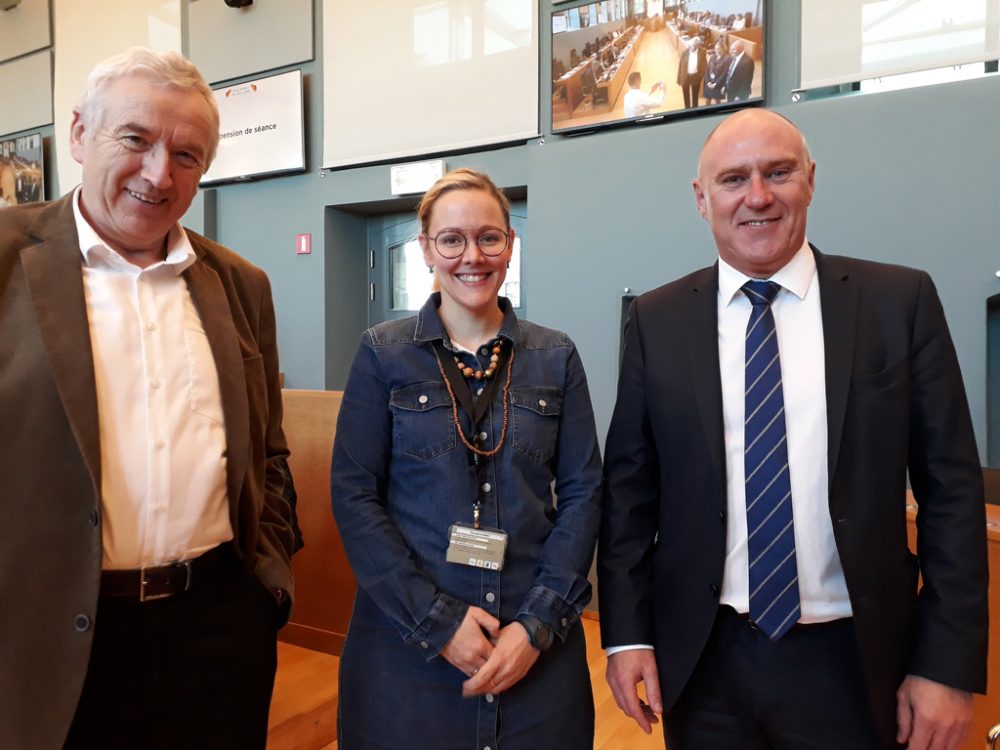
[50,469]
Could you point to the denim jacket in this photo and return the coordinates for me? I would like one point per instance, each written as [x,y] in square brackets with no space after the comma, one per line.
[401,477]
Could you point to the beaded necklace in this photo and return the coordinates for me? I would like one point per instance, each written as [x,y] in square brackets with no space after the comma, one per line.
[506,405]
[490,369]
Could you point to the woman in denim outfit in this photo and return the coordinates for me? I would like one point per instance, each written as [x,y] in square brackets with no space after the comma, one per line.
[441,654]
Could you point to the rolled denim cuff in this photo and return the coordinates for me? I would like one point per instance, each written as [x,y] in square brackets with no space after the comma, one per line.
[439,626]
[544,604]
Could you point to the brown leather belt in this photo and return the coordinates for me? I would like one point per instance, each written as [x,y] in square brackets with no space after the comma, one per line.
[160,581]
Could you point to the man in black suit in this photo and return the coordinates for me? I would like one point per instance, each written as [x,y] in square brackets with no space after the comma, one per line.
[740,76]
[709,475]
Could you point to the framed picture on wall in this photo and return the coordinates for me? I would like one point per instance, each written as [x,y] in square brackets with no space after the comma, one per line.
[618,62]
[22,173]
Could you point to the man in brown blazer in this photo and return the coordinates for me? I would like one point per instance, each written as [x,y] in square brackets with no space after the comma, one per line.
[144,541]
[691,71]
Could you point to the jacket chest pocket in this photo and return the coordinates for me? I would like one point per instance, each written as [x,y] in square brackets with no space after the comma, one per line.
[422,421]
[536,413]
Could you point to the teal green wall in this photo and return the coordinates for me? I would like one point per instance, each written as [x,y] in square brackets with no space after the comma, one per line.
[906,177]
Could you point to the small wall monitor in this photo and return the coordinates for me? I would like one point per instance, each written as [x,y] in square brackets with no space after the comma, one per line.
[261,129]
[22,170]
[624,61]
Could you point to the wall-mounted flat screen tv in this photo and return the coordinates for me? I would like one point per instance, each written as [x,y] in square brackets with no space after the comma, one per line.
[261,129]
[622,61]
[22,170]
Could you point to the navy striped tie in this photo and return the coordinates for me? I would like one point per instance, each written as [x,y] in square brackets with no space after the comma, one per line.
[774,589]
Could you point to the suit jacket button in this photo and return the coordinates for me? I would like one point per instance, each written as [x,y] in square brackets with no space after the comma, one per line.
[81,623]
[715,589]
[94,518]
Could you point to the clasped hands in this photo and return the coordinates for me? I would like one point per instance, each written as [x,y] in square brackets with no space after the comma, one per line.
[494,658]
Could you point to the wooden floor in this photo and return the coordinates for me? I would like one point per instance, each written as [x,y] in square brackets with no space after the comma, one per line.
[304,707]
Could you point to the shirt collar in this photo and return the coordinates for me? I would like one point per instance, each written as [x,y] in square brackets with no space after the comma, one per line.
[430,327]
[96,252]
[795,276]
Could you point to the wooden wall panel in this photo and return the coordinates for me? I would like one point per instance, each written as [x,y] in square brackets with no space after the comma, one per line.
[986,707]
[324,584]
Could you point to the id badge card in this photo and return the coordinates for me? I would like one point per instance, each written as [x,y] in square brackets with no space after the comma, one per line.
[478,548]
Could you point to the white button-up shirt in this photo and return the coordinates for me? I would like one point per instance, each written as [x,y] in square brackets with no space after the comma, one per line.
[163,439]
[799,325]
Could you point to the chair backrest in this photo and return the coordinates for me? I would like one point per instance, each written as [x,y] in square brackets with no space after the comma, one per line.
[324,584]
[991,483]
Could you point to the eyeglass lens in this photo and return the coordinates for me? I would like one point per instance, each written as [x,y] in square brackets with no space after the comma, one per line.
[452,244]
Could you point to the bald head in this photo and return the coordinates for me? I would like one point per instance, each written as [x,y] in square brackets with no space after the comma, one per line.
[754,186]
[750,118]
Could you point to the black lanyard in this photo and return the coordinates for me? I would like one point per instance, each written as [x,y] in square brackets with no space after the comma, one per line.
[475,408]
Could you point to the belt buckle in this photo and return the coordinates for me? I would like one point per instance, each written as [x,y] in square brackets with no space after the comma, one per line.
[147,584]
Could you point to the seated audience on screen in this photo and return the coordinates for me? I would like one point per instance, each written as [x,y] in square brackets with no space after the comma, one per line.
[596,67]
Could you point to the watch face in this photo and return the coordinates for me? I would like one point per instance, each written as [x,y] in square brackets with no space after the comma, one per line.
[539,633]
[543,637]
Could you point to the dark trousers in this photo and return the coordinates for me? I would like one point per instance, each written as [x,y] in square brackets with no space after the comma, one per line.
[192,671]
[805,691]
[691,89]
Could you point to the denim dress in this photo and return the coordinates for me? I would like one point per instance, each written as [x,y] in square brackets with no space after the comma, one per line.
[401,477]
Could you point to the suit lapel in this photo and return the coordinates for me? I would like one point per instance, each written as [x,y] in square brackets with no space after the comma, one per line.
[703,348]
[210,299]
[839,304]
[54,276]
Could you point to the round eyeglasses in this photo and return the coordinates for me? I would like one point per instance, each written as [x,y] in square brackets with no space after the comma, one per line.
[451,243]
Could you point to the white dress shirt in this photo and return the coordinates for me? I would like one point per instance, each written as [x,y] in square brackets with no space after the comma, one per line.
[638,103]
[163,439]
[733,64]
[798,321]
[692,61]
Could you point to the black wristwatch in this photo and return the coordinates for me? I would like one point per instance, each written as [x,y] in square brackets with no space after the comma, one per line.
[539,634]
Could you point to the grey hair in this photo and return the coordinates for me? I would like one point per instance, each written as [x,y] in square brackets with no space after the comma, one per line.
[169,69]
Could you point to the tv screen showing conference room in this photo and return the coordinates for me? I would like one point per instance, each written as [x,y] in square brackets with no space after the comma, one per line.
[625,60]
[22,173]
